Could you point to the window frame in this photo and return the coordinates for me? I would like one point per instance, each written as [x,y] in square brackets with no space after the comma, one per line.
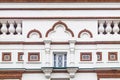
[6,53]
[99,53]
[86,53]
[111,53]
[34,53]
[20,53]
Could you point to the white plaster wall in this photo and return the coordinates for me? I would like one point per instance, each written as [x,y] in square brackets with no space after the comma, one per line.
[59,5]
[14,49]
[54,13]
[76,25]
[85,76]
[44,25]
[60,75]
[34,76]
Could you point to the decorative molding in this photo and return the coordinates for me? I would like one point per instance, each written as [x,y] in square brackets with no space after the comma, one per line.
[56,1]
[99,53]
[59,43]
[59,9]
[78,17]
[57,23]
[33,53]
[86,53]
[72,71]
[34,30]
[113,53]
[85,30]
[47,71]
[6,53]
[72,44]
[19,54]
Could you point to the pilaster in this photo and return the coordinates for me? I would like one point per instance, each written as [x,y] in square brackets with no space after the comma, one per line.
[72,52]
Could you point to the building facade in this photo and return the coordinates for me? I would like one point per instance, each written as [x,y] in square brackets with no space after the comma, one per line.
[60,41]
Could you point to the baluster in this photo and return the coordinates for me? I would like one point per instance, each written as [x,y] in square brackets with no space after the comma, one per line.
[116,28]
[101,27]
[19,28]
[108,27]
[4,27]
[11,28]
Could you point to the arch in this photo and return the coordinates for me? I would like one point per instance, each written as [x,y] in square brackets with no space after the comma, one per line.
[85,30]
[62,23]
[34,30]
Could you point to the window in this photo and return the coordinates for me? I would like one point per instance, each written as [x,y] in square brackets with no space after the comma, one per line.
[60,59]
[34,56]
[112,56]
[20,56]
[6,56]
[99,56]
[86,56]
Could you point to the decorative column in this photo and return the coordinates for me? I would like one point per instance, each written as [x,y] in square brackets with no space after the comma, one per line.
[47,69]
[4,27]
[109,28]
[116,28]
[72,52]
[101,27]
[19,27]
[72,68]
[11,28]
[47,52]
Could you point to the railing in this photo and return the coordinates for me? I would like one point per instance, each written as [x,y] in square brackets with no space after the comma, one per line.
[106,27]
[10,27]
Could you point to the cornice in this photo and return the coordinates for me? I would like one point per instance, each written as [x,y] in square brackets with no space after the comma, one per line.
[55,1]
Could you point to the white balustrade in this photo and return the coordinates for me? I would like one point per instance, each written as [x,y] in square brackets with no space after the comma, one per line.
[4,28]
[116,28]
[108,28]
[101,28]
[11,28]
[19,28]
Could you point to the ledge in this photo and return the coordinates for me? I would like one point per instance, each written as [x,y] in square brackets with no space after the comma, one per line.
[33,62]
[21,62]
[55,1]
[85,62]
[99,62]
[112,62]
[6,62]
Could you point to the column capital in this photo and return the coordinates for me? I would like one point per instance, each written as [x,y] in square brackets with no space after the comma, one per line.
[72,44]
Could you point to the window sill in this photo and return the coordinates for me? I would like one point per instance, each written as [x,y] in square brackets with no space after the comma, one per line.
[86,62]
[99,62]
[6,62]
[33,62]
[112,62]
[20,62]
